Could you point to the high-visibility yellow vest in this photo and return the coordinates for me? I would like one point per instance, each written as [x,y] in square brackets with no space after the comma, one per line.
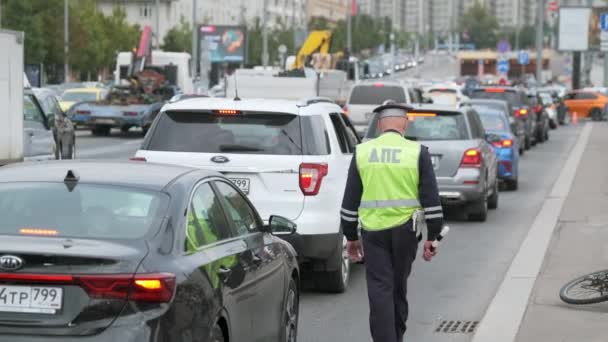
[388,167]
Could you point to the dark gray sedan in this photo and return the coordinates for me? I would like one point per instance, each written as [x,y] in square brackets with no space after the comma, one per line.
[464,161]
[134,252]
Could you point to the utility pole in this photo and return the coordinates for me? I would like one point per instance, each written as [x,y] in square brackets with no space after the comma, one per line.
[194,40]
[66,41]
[517,24]
[265,33]
[157,29]
[540,21]
[349,26]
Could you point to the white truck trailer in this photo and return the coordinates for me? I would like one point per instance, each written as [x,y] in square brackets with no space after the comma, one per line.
[11,96]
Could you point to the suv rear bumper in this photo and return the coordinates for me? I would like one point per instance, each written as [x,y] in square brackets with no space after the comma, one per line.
[314,247]
[454,190]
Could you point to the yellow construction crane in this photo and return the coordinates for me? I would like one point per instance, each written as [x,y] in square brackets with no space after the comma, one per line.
[317,41]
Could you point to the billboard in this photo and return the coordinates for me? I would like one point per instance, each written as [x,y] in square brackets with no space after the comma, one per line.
[223,43]
[580,28]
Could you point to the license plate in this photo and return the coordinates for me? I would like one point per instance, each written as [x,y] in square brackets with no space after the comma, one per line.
[30,299]
[104,121]
[241,183]
[435,161]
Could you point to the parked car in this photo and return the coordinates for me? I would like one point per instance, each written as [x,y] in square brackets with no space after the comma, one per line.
[506,145]
[72,96]
[63,129]
[541,131]
[587,104]
[516,123]
[289,157]
[133,252]
[465,164]
[38,141]
[518,100]
[365,97]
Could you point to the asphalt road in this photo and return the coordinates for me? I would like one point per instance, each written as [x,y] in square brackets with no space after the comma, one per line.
[458,285]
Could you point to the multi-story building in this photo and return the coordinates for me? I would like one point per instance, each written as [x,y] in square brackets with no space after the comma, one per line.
[332,10]
[396,10]
[224,12]
[417,16]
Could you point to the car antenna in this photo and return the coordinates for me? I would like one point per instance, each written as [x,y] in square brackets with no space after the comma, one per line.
[71,180]
[236,89]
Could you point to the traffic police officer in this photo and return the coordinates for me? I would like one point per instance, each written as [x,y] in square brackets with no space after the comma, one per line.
[390,180]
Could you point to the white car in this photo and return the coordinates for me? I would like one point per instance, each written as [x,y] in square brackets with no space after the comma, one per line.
[290,157]
[447,89]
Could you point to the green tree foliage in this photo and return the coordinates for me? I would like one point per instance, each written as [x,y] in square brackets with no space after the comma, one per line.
[179,38]
[94,38]
[481,26]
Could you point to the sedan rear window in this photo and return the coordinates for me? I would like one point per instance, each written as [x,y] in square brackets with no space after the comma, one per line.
[88,211]
[492,120]
[510,96]
[376,95]
[252,133]
[430,127]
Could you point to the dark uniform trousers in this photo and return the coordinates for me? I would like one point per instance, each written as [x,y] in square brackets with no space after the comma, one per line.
[389,255]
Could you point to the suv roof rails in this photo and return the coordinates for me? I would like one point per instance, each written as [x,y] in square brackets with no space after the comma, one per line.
[313,100]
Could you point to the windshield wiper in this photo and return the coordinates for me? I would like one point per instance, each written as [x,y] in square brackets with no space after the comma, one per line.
[411,138]
[233,148]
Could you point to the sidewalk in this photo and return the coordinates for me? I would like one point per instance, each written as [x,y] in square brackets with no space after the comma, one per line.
[579,245]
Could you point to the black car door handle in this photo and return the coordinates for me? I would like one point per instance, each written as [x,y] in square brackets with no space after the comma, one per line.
[223,271]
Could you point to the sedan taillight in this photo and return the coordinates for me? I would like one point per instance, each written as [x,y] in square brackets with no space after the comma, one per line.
[311,176]
[153,287]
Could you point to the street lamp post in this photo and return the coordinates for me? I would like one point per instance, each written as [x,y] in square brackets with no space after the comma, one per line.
[265,33]
[540,10]
[194,39]
[66,41]
[157,28]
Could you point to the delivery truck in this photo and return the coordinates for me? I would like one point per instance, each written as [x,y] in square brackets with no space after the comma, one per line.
[11,96]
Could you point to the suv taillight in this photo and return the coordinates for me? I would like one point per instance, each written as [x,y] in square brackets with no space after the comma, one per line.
[311,176]
[471,158]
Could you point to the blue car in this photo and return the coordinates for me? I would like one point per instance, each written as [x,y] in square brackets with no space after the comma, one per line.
[505,144]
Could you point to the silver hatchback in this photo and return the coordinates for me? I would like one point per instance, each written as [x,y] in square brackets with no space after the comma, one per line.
[465,163]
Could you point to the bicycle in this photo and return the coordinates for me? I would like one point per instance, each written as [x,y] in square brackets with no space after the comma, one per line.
[588,289]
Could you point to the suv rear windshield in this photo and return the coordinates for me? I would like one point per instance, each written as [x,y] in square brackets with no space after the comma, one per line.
[88,211]
[251,133]
[376,95]
[508,95]
[439,127]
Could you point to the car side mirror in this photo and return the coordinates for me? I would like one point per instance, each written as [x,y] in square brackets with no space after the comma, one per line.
[280,226]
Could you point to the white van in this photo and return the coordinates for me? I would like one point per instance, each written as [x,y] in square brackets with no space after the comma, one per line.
[11,96]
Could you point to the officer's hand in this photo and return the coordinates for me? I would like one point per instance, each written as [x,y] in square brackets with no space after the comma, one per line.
[429,252]
[355,250]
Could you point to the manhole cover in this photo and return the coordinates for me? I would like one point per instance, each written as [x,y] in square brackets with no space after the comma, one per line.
[457,327]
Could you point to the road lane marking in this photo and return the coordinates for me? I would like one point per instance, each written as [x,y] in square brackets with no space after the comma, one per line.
[502,319]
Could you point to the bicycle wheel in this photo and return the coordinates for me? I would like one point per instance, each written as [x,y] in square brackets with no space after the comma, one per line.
[588,289]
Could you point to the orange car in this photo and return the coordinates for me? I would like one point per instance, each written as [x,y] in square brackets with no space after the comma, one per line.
[586,104]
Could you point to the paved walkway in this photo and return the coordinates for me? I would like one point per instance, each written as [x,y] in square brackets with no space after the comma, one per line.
[579,245]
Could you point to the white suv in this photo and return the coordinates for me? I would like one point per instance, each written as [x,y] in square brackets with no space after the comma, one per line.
[291,158]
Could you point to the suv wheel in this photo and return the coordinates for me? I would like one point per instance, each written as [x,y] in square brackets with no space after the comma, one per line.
[511,184]
[478,211]
[337,280]
[493,199]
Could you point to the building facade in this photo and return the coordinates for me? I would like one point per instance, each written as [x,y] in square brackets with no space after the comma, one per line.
[216,12]
[332,10]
